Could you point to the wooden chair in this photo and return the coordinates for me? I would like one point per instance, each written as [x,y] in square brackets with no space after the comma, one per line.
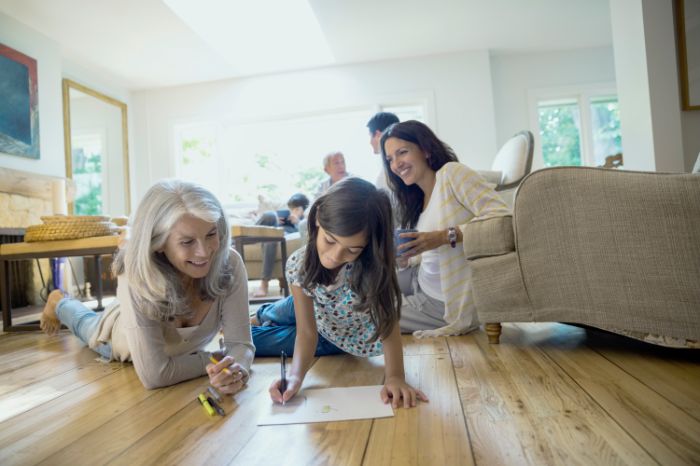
[613,161]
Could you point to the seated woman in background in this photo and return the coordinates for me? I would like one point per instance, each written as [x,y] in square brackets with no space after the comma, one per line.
[179,284]
[435,195]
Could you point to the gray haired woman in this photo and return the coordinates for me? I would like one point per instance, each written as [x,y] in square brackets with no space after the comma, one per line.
[179,284]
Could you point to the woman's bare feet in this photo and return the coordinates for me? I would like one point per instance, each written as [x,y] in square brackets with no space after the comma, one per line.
[48,322]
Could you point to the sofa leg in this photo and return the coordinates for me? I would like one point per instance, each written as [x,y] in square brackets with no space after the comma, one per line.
[493,330]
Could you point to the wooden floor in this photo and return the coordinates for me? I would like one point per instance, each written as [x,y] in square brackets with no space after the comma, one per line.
[548,394]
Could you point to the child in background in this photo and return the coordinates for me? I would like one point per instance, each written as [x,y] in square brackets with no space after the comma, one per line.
[345,295]
[291,220]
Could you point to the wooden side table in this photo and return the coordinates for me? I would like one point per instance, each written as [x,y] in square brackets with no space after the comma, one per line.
[95,246]
[252,234]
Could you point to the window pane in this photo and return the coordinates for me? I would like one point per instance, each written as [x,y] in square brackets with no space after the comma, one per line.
[560,133]
[87,174]
[607,139]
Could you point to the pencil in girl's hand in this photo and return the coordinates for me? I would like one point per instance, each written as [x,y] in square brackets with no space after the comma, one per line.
[283,370]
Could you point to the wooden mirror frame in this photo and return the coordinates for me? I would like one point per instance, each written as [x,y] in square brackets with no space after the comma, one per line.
[68,144]
[683,57]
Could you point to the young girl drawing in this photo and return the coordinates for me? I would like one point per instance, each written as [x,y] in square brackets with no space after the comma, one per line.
[179,283]
[436,195]
[345,295]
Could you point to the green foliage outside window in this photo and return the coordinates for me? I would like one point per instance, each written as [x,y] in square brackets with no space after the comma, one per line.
[89,203]
[87,174]
[194,147]
[559,134]
[607,137]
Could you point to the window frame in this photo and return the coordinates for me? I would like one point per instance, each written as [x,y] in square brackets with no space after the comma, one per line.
[584,95]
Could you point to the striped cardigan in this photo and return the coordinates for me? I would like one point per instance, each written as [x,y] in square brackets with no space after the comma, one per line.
[462,195]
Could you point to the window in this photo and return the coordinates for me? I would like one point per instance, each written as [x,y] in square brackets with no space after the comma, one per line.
[277,157]
[87,163]
[578,129]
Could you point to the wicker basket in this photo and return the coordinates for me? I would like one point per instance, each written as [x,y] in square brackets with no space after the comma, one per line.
[68,230]
[50,219]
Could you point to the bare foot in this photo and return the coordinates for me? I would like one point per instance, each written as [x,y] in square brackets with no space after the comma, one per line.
[254,320]
[48,321]
[262,291]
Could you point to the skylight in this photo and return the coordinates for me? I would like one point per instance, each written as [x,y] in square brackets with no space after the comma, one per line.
[258,36]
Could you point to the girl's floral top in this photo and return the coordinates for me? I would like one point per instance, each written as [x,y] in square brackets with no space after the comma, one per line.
[336,319]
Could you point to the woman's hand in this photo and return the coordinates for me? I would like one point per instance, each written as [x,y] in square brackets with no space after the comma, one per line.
[423,241]
[293,386]
[396,388]
[227,376]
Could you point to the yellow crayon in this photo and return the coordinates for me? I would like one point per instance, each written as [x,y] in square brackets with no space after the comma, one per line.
[213,359]
[207,407]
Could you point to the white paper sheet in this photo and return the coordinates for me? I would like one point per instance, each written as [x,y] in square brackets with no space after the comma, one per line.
[328,404]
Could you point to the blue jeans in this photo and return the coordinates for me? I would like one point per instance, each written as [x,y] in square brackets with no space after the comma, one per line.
[278,331]
[83,322]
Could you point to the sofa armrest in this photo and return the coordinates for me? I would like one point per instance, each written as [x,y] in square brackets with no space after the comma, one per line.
[488,237]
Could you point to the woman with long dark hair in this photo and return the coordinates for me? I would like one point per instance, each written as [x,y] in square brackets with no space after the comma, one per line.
[436,195]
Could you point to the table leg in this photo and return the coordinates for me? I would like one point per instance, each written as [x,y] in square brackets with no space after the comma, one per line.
[98,271]
[283,250]
[5,295]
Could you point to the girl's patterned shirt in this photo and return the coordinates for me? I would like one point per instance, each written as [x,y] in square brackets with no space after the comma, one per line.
[336,319]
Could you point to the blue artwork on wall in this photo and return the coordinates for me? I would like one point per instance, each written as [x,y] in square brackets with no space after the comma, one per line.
[19,104]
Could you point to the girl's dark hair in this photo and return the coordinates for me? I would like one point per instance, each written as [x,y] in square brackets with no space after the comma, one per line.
[410,198]
[351,206]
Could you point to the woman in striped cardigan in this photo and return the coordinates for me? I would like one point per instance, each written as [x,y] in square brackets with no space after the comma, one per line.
[436,197]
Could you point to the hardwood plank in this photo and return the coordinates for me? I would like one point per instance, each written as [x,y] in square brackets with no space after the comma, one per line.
[672,373]
[45,429]
[522,408]
[134,425]
[33,373]
[668,433]
[432,433]
[413,346]
[337,443]
[20,353]
[189,435]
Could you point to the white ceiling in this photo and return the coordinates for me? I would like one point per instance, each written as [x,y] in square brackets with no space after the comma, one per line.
[145,44]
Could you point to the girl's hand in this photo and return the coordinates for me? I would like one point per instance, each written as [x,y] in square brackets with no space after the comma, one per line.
[423,241]
[396,388]
[293,386]
[227,376]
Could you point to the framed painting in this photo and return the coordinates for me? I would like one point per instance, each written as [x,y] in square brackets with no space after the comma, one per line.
[19,104]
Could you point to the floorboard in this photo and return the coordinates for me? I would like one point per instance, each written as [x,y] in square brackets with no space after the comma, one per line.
[548,394]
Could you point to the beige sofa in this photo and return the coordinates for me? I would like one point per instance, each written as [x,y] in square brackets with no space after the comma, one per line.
[612,249]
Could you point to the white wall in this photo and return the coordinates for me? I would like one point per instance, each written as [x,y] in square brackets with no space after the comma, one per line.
[457,88]
[514,76]
[47,54]
[51,70]
[647,78]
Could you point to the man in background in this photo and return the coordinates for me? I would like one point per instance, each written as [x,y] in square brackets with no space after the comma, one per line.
[334,165]
[376,125]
